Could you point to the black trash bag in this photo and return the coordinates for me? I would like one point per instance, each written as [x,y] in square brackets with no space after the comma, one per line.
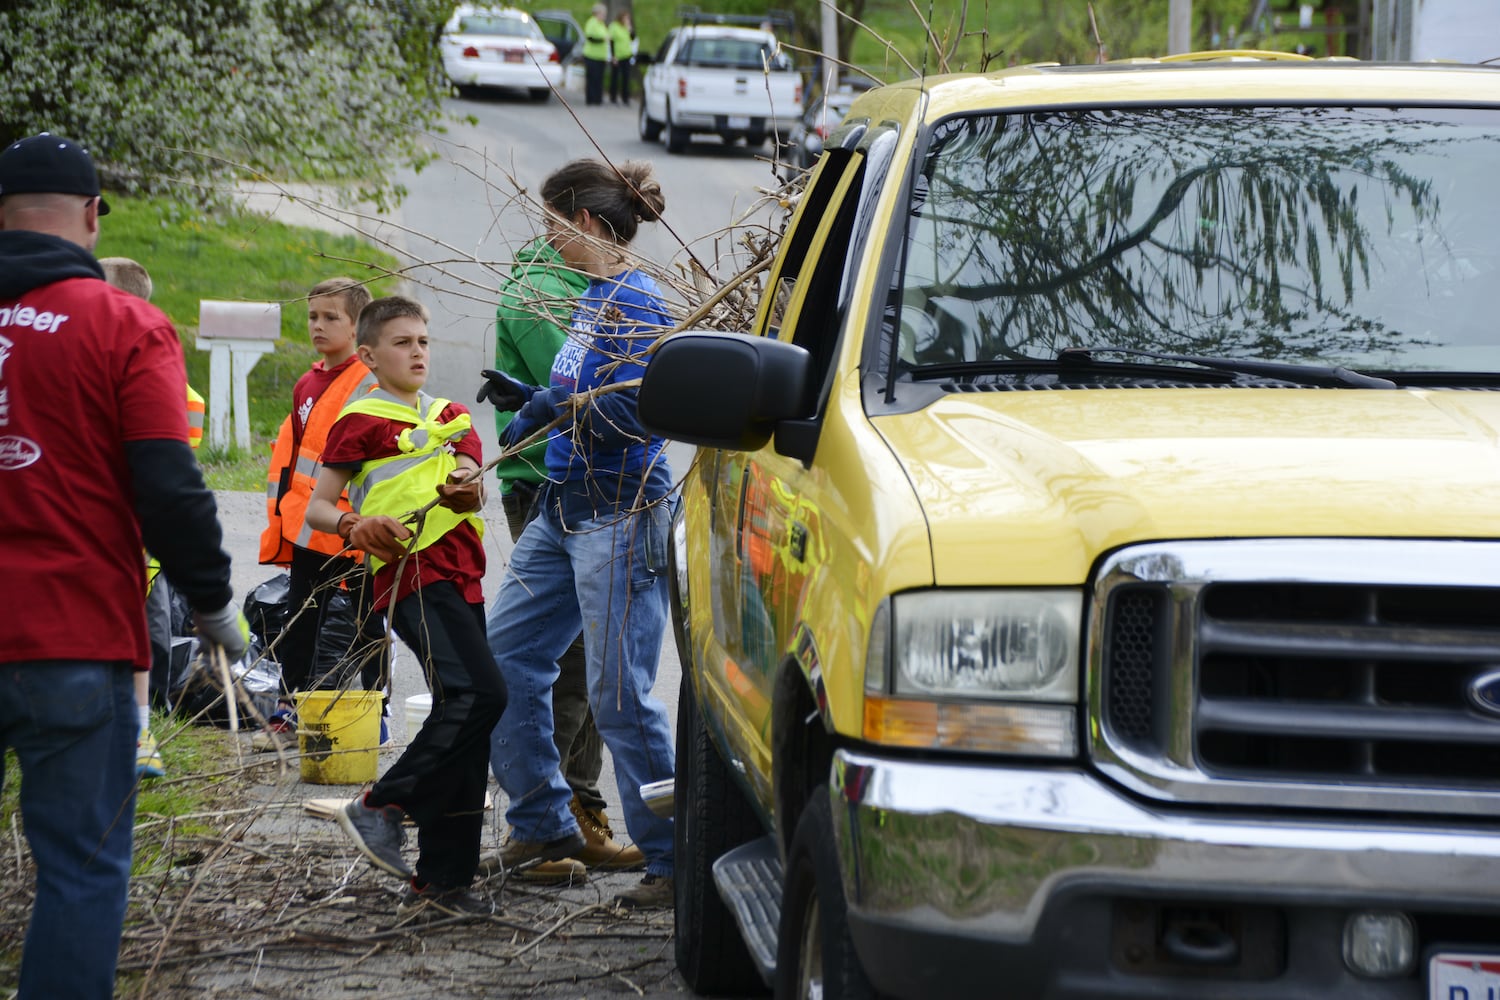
[338,659]
[201,691]
[195,687]
[268,609]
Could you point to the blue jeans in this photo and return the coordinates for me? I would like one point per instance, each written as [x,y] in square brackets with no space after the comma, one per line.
[605,577]
[73,725]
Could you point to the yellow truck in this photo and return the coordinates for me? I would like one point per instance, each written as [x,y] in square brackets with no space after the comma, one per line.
[1089,581]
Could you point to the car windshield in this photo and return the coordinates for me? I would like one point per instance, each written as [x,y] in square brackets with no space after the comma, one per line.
[512,25]
[1366,237]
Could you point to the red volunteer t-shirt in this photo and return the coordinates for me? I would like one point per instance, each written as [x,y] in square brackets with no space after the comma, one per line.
[84,368]
[311,386]
[458,557]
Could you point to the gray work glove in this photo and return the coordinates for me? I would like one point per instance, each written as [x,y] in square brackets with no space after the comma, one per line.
[225,628]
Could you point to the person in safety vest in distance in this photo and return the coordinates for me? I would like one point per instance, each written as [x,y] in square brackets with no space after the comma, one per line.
[132,276]
[317,562]
[595,54]
[398,450]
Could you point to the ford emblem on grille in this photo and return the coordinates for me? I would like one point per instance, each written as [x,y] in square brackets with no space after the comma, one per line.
[1484,692]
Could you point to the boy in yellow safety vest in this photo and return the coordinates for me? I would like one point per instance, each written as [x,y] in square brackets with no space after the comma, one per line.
[397,450]
[131,276]
[318,563]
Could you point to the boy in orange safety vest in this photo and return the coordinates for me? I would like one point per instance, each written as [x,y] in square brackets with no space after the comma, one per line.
[131,276]
[317,562]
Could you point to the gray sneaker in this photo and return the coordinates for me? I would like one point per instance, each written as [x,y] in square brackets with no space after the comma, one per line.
[515,853]
[377,833]
[431,901]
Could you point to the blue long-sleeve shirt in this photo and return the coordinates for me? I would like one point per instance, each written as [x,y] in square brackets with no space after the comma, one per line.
[606,461]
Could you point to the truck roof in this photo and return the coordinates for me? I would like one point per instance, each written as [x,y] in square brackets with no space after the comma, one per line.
[1189,80]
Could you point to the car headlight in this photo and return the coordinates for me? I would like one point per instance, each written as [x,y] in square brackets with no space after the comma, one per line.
[944,669]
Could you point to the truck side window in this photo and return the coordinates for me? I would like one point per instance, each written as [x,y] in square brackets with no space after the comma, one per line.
[812,287]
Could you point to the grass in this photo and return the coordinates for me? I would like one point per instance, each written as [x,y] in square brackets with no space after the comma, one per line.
[242,257]
[164,807]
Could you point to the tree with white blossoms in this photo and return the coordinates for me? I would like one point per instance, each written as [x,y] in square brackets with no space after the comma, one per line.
[175,96]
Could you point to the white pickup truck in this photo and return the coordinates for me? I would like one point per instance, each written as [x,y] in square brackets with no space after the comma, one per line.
[734,82]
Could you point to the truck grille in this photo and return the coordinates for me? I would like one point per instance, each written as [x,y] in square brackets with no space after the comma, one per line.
[1216,682]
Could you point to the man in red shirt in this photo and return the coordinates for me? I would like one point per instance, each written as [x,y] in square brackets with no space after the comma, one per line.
[94,461]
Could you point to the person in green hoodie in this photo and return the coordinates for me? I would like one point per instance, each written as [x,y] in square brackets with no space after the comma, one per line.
[532,320]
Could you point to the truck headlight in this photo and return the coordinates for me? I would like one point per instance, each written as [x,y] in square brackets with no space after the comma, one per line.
[943,665]
[1019,645]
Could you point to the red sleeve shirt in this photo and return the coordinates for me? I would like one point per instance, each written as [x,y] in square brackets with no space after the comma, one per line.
[458,556]
[311,386]
[84,368]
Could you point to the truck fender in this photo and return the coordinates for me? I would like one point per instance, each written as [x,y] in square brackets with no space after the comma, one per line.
[802,742]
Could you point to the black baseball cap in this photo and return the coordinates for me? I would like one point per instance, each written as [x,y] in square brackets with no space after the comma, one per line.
[49,164]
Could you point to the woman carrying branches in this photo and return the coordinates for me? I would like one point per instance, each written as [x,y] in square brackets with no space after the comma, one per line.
[593,560]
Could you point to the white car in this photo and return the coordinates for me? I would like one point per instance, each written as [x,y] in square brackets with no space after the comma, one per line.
[499,47]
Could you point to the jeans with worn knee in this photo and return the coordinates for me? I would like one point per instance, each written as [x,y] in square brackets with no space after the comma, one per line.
[73,725]
[605,577]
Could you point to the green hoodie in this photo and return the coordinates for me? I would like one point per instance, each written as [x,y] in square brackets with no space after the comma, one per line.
[531,325]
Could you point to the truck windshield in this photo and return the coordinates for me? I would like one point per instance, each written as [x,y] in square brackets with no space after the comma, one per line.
[1364,237]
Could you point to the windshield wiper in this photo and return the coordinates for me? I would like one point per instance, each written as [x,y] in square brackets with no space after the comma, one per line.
[1286,371]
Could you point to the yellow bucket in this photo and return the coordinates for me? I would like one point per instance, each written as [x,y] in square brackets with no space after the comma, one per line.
[338,734]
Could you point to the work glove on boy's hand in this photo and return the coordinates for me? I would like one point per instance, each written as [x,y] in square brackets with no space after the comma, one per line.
[461,497]
[225,628]
[381,536]
[505,392]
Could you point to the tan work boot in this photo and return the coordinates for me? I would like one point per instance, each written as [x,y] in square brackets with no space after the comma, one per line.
[600,850]
[516,853]
[568,871]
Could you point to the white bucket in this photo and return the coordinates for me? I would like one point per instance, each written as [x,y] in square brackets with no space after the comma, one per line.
[417,707]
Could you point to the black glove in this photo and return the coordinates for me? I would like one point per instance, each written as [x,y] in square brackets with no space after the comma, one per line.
[505,392]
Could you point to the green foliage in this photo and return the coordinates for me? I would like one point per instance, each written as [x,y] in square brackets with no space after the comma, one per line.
[180,95]
[192,256]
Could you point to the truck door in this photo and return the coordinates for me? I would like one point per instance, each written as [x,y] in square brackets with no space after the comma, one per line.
[766,521]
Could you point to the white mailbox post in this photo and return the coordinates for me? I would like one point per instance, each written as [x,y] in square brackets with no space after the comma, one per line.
[235,334]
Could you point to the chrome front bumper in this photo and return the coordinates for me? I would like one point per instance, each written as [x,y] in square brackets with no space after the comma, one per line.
[972,857]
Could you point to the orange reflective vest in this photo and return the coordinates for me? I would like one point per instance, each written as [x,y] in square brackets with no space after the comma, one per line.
[294,472]
[197,410]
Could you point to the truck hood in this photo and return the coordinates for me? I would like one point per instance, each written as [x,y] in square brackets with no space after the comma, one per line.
[1032,487]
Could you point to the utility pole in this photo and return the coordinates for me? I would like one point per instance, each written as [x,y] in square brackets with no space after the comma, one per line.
[1179,26]
[830,49]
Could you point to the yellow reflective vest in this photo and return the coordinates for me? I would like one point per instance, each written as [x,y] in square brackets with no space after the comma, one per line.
[399,484]
[595,39]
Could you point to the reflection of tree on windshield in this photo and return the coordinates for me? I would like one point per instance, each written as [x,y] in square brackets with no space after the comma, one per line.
[1268,232]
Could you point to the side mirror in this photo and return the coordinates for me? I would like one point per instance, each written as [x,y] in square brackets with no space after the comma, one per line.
[724,390]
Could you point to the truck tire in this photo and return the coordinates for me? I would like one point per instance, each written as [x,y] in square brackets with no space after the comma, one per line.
[711,816]
[814,952]
[677,139]
[649,128]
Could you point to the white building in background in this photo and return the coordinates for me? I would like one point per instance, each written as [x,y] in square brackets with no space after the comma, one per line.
[1459,30]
